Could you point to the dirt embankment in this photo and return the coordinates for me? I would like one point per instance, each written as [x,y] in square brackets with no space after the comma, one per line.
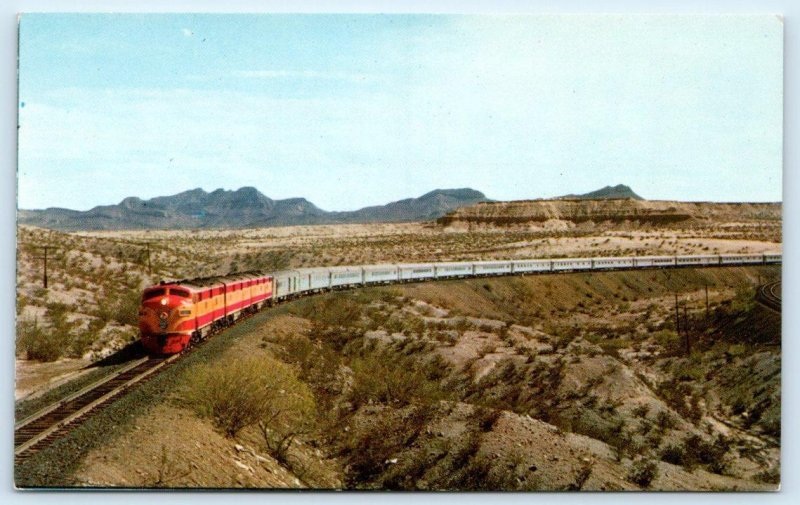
[551,213]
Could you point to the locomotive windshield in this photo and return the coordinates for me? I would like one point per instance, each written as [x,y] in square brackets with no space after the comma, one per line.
[153,293]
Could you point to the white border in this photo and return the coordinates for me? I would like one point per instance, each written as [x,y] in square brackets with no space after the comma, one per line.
[790,9]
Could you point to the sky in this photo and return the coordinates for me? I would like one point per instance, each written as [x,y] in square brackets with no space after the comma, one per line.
[356,110]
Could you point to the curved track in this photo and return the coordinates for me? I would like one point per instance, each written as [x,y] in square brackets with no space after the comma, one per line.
[770,295]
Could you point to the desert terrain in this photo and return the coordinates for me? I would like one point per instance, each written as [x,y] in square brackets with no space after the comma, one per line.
[551,382]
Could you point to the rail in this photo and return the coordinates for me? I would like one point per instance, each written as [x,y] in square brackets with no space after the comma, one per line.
[769,294]
[39,429]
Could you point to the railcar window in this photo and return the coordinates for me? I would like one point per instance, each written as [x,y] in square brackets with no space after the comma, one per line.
[154,293]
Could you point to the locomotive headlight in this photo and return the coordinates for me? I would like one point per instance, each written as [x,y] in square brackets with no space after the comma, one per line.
[164,301]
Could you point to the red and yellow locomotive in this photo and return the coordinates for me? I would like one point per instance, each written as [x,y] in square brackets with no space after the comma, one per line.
[175,314]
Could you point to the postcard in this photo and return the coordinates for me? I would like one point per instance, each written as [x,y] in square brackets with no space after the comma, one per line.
[421,252]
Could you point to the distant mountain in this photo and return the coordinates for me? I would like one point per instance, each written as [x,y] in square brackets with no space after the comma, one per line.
[243,208]
[608,192]
[429,206]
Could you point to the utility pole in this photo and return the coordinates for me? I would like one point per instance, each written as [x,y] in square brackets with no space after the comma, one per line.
[686,331]
[44,279]
[706,302]
[44,273]
[677,316]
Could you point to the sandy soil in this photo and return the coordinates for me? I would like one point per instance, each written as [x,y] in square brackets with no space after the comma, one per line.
[34,379]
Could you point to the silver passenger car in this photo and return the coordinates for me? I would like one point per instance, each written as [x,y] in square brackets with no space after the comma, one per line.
[492,267]
[611,263]
[285,283]
[654,261]
[415,271]
[696,260]
[524,266]
[728,259]
[346,276]
[572,264]
[377,274]
[444,270]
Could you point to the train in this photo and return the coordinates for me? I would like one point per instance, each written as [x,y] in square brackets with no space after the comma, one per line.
[175,314]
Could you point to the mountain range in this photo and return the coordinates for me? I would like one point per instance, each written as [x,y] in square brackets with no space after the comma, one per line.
[242,208]
[249,208]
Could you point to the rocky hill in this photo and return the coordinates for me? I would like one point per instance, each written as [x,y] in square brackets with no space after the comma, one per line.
[572,212]
[612,192]
[243,208]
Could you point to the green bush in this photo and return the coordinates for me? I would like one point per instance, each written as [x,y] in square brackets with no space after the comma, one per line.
[382,378]
[45,343]
[126,309]
[643,472]
[36,342]
[240,392]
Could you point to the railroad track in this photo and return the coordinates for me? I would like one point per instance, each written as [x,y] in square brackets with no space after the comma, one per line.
[37,431]
[770,295]
[43,427]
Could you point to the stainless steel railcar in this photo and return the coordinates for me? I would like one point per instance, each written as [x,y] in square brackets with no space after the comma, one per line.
[492,267]
[525,266]
[415,271]
[445,270]
[653,261]
[729,259]
[696,260]
[289,283]
[611,263]
[567,264]
[380,274]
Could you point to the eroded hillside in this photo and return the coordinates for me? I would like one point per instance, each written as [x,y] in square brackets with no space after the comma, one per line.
[611,213]
[553,382]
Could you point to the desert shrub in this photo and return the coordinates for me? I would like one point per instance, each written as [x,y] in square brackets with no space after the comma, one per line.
[126,308]
[641,411]
[369,450]
[486,418]
[336,336]
[46,342]
[383,378]
[243,391]
[772,476]
[695,451]
[36,342]
[333,311]
[674,454]
[643,472]
[664,420]
[81,342]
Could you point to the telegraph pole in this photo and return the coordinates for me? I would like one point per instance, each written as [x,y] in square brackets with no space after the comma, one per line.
[677,317]
[686,331]
[706,301]
[44,279]
[44,273]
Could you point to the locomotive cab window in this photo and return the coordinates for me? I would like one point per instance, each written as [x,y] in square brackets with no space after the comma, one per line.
[154,293]
[180,292]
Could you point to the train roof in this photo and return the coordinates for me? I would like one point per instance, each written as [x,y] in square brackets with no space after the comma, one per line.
[204,282]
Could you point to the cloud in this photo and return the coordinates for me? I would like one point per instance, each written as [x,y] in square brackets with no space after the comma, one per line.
[187,32]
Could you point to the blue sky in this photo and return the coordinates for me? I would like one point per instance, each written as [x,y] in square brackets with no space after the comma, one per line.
[359,110]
